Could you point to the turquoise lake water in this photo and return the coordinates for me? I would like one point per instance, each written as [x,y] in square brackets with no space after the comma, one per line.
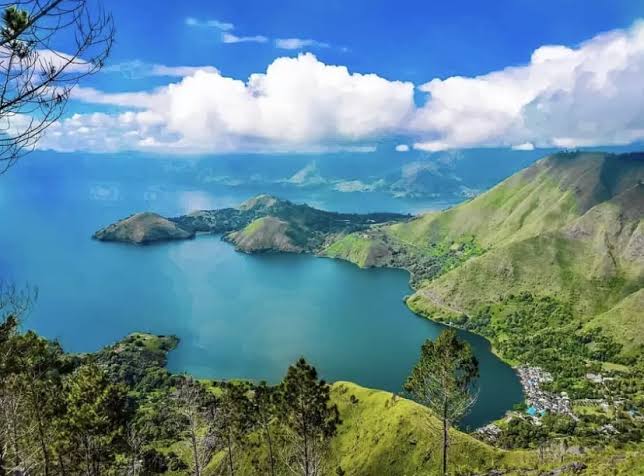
[238,316]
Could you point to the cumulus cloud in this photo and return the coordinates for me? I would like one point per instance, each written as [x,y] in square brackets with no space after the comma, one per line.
[297,104]
[230,38]
[299,43]
[565,97]
[402,148]
[588,95]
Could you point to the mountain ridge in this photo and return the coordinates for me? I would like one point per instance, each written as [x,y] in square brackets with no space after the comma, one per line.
[569,226]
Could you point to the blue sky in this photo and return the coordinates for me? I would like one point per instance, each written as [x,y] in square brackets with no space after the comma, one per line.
[405,44]
[401,39]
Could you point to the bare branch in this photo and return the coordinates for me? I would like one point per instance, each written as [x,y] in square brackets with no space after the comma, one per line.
[46,48]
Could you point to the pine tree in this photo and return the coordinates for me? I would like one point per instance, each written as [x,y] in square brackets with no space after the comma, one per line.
[95,418]
[192,404]
[310,419]
[264,407]
[444,381]
[233,419]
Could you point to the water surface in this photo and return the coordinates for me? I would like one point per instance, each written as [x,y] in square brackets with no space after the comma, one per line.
[238,316]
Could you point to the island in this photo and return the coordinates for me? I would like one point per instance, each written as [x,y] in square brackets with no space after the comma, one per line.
[263,223]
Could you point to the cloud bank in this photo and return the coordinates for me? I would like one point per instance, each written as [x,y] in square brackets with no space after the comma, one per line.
[564,97]
[297,104]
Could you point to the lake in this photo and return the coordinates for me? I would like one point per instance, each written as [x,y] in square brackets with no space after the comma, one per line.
[238,316]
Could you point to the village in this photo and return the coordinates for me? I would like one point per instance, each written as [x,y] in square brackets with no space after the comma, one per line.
[539,401]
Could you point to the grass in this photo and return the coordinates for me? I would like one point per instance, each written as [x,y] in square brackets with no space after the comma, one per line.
[354,248]
[624,322]
[385,434]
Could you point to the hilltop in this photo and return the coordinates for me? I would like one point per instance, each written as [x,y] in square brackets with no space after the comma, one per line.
[143,228]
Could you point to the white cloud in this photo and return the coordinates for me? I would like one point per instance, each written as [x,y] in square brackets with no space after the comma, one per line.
[431,146]
[402,148]
[230,38]
[297,104]
[565,97]
[179,71]
[524,146]
[220,25]
[298,43]
[589,95]
[42,60]
[226,28]
[139,69]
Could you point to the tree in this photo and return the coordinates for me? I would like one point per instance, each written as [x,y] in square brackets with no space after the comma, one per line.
[264,408]
[191,403]
[310,420]
[232,418]
[37,379]
[444,380]
[46,48]
[14,303]
[95,418]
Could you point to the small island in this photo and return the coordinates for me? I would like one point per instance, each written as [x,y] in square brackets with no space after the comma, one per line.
[143,228]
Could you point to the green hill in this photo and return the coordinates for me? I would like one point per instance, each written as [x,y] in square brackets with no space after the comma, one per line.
[143,228]
[570,226]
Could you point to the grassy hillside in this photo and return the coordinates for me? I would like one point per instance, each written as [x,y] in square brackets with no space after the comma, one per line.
[571,226]
[143,228]
[389,435]
[266,234]
[624,321]
[383,434]
[549,266]
[543,197]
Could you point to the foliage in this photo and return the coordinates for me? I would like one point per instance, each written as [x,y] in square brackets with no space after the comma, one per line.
[304,408]
[46,48]
[444,380]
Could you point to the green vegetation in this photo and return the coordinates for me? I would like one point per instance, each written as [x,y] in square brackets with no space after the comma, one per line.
[548,265]
[567,227]
[120,412]
[551,271]
[444,381]
[543,332]
[380,246]
[303,408]
[263,223]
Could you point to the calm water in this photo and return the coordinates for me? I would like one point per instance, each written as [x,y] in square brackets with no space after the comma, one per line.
[236,315]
